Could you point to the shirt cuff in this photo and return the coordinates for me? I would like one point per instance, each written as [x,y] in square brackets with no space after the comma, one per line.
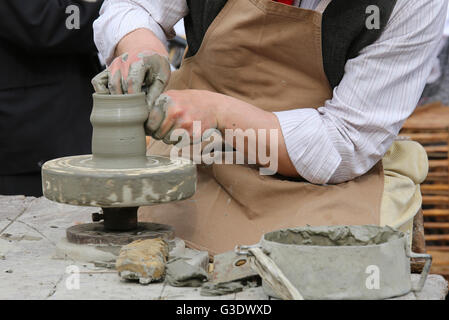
[108,34]
[308,145]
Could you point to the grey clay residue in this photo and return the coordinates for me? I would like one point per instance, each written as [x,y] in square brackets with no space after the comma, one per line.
[335,236]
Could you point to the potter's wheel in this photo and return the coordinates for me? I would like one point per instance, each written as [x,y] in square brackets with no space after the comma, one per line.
[118,176]
[81,181]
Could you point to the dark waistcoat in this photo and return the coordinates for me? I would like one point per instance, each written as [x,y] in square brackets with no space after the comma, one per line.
[344,28]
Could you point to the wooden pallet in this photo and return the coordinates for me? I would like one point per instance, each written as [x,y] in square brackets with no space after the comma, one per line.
[429,126]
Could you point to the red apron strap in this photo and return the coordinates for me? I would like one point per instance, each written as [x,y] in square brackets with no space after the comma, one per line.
[289,2]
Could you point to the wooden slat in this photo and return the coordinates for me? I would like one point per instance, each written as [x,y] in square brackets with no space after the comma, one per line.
[435,200]
[437,174]
[440,262]
[441,270]
[427,137]
[436,213]
[427,125]
[435,189]
[438,177]
[435,149]
[437,237]
[436,225]
[439,257]
[433,164]
[436,156]
[437,249]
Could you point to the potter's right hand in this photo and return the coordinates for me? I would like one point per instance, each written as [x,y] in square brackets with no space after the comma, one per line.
[144,71]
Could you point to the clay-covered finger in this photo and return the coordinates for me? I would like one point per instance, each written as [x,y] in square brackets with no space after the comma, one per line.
[100,82]
[175,136]
[157,114]
[138,71]
[165,128]
[154,91]
[182,136]
[157,77]
[115,83]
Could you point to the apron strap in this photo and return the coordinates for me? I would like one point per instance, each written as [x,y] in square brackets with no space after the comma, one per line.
[322,5]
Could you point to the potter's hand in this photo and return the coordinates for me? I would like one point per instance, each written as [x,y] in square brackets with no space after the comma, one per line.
[135,72]
[178,109]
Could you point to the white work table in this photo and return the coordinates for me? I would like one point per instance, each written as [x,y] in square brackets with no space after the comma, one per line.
[31,227]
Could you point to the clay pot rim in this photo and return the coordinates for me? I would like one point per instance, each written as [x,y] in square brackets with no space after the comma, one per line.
[126,96]
[394,236]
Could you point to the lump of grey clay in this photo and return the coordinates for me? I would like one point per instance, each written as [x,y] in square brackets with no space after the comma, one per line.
[181,274]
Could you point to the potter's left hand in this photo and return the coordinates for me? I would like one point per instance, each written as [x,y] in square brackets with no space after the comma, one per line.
[178,109]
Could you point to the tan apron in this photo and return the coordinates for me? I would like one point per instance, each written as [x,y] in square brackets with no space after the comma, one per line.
[268,54]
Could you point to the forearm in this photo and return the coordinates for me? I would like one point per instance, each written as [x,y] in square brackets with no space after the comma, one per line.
[234,114]
[119,18]
[140,40]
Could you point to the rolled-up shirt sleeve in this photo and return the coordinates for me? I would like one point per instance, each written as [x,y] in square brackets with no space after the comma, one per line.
[120,17]
[381,87]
